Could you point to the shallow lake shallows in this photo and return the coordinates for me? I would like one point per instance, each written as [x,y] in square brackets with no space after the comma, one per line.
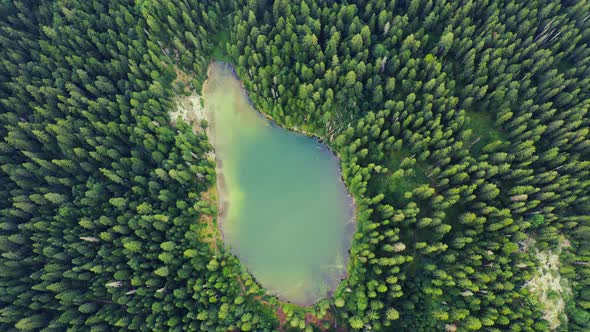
[284,210]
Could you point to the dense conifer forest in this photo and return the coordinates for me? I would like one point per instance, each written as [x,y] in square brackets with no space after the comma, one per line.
[462,128]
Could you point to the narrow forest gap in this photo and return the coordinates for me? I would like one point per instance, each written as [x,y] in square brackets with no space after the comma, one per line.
[211,233]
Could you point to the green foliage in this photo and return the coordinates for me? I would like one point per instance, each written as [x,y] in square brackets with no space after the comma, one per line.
[461,134]
[462,128]
[96,206]
[221,40]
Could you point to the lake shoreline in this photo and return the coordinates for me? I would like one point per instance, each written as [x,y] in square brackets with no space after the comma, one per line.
[223,191]
[220,183]
[320,140]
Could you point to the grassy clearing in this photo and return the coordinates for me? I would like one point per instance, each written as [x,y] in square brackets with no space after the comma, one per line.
[394,186]
[221,40]
[410,181]
[482,125]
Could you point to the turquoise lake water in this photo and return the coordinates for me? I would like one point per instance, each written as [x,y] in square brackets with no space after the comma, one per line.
[285,210]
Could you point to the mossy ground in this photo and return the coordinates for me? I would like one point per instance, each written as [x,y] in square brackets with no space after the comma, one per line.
[221,40]
[395,188]
[484,132]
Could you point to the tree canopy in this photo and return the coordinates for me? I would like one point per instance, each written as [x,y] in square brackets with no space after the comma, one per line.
[462,129]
